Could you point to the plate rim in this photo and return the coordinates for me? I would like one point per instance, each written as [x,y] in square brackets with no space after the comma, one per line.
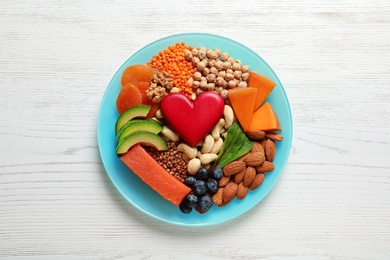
[194,34]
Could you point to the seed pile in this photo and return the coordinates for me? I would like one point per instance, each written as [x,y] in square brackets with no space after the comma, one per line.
[171,160]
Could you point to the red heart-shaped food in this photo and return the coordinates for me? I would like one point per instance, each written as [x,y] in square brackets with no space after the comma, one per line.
[192,121]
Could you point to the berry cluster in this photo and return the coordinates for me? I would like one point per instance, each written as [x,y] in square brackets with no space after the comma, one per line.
[203,185]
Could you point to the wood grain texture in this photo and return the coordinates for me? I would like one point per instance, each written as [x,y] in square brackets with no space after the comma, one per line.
[333,198]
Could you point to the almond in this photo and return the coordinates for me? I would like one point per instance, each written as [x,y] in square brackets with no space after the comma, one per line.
[274,136]
[217,197]
[254,159]
[239,176]
[255,135]
[233,168]
[249,176]
[258,180]
[242,158]
[265,167]
[270,150]
[224,203]
[257,147]
[230,191]
[224,180]
[241,191]
[263,143]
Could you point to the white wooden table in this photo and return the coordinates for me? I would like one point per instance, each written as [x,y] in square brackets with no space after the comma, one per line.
[333,198]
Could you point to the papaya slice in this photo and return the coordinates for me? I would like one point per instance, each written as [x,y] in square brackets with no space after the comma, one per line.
[263,85]
[243,100]
[265,119]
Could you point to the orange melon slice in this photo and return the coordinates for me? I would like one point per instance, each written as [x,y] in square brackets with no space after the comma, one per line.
[154,175]
[263,85]
[265,119]
[243,100]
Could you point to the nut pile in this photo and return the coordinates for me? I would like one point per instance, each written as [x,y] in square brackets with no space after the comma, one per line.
[216,71]
[248,172]
[160,86]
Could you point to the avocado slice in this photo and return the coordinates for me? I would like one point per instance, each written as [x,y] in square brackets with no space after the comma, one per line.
[137,111]
[142,137]
[134,125]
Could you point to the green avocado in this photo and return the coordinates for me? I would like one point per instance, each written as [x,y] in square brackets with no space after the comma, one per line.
[134,125]
[141,137]
[137,111]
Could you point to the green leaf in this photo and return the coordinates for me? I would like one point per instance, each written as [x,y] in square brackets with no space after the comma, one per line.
[237,147]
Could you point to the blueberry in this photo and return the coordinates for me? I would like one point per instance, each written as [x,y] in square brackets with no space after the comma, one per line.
[205,203]
[191,200]
[203,174]
[184,208]
[217,173]
[199,187]
[190,180]
[212,185]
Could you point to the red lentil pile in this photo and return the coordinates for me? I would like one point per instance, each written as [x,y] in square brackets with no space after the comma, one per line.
[172,61]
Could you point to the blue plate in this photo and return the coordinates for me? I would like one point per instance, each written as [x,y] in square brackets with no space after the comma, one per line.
[142,196]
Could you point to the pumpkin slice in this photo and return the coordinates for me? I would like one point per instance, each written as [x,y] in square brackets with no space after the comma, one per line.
[243,100]
[265,119]
[263,85]
[154,175]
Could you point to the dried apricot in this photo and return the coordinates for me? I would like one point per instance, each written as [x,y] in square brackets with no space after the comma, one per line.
[128,97]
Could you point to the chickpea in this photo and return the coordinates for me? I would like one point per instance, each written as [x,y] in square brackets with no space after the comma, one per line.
[221,74]
[203,85]
[231,60]
[229,76]
[224,56]
[213,55]
[210,86]
[245,76]
[206,72]
[232,84]
[197,76]
[200,66]
[194,52]
[227,65]
[188,55]
[237,74]
[210,78]
[214,71]
[218,52]
[236,66]
[245,68]
[211,63]
[225,84]
[242,84]
[201,53]
[224,94]
[196,84]
[218,65]
[198,91]
[195,60]
[219,81]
